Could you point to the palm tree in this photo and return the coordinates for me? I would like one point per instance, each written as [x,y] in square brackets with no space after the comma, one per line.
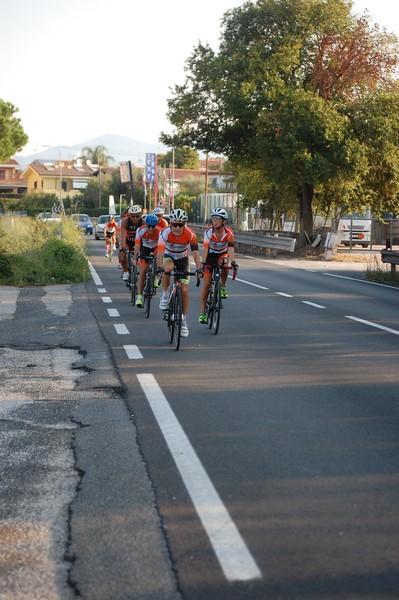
[98,155]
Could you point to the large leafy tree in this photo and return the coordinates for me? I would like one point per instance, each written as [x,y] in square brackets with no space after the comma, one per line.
[12,136]
[286,96]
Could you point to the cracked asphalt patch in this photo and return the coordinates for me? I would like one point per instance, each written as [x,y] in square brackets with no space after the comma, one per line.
[37,471]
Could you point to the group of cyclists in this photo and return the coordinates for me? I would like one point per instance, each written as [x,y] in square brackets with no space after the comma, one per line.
[171,242]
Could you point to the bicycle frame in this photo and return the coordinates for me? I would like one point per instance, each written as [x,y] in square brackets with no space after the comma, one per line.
[214,303]
[133,277]
[149,289]
[173,314]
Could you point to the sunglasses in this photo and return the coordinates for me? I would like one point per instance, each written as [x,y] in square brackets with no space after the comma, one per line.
[135,216]
[151,226]
[178,224]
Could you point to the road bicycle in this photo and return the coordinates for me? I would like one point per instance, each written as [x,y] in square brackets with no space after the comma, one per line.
[149,289]
[133,277]
[173,314]
[214,303]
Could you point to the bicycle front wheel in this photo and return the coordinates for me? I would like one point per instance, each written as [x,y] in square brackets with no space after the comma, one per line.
[209,308]
[177,317]
[149,284]
[217,306]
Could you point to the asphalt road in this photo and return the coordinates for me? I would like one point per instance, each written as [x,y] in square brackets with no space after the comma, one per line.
[259,463]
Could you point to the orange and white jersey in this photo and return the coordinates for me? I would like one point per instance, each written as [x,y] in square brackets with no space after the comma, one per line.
[111,226]
[177,246]
[148,238]
[216,245]
[162,223]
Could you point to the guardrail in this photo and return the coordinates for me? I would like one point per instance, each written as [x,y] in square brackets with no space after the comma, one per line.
[391,257]
[275,242]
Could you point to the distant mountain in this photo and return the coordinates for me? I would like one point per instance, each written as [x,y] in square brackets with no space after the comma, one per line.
[122,149]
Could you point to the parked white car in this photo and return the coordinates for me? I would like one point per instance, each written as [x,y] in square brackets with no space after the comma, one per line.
[99,226]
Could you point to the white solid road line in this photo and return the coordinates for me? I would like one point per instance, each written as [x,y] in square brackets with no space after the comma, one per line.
[93,272]
[234,557]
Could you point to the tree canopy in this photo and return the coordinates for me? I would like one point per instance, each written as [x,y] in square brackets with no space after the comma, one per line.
[303,95]
[12,136]
[182,158]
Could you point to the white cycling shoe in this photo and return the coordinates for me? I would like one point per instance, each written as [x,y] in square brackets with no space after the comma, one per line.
[163,303]
[184,329]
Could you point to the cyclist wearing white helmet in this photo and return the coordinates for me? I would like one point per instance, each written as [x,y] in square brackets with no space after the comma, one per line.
[174,244]
[129,226]
[159,211]
[217,247]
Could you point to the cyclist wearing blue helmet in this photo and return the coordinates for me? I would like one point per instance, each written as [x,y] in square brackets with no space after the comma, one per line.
[145,243]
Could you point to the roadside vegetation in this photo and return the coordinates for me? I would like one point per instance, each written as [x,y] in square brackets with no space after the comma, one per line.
[36,253]
[381,272]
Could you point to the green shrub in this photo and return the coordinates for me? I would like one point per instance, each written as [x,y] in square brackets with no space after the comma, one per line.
[37,253]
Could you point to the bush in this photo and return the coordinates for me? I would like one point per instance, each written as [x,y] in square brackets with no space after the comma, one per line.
[37,253]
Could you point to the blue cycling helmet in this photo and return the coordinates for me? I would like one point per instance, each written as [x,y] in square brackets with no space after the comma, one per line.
[151,220]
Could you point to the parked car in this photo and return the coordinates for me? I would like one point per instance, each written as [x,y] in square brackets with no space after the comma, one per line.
[99,227]
[49,217]
[83,222]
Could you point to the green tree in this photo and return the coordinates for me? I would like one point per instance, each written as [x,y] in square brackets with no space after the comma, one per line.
[12,136]
[284,95]
[184,158]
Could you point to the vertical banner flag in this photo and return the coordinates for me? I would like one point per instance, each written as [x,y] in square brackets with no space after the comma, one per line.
[150,167]
[151,170]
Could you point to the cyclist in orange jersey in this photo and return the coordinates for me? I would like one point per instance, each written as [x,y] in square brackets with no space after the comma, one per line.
[146,241]
[218,246]
[159,212]
[110,234]
[174,244]
[129,225]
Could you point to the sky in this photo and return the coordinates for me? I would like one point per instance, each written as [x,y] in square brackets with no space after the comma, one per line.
[77,70]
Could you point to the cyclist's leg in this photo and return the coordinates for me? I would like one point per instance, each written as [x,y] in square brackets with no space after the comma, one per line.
[223,260]
[142,273]
[206,284]
[167,265]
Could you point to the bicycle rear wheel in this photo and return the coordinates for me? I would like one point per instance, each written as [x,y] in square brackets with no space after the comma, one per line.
[133,285]
[217,306]
[177,318]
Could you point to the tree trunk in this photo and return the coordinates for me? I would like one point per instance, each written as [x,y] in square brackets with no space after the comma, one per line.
[305,197]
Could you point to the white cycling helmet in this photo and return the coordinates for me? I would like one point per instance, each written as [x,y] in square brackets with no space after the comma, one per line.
[135,210]
[219,213]
[158,210]
[178,215]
